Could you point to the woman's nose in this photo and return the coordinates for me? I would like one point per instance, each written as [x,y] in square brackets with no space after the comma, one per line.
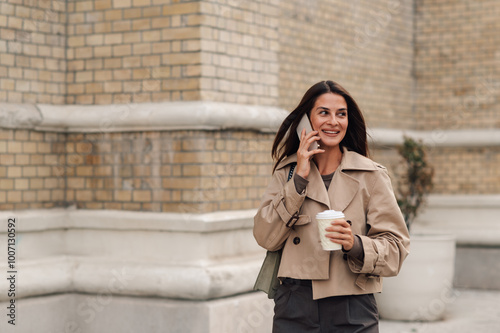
[332,121]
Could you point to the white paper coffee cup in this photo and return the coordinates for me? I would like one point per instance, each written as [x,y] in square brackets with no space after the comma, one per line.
[325,219]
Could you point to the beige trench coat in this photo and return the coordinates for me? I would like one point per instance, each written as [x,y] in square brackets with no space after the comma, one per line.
[361,189]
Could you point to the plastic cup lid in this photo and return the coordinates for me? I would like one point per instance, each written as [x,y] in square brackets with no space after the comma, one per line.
[330,214]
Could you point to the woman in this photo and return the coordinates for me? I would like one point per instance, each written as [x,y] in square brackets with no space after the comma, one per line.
[329,291]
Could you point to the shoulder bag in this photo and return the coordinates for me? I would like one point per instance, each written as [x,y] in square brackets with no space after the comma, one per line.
[267,280]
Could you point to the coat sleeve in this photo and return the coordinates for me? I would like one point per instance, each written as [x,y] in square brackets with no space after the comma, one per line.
[279,203]
[387,241]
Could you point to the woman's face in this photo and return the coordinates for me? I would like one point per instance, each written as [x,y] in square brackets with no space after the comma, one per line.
[329,118]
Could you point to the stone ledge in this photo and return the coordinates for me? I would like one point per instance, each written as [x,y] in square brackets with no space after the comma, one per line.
[84,313]
[473,219]
[437,138]
[182,256]
[203,115]
[72,218]
[97,275]
[169,116]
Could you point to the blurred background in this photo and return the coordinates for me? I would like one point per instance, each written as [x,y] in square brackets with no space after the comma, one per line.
[135,140]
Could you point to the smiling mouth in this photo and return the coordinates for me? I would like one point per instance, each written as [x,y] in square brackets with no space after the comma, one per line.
[331,132]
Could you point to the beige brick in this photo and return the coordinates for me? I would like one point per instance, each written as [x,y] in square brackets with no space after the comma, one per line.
[75,88]
[29,196]
[142,48]
[14,196]
[52,183]
[115,38]
[102,51]
[181,58]
[75,183]
[160,22]
[92,88]
[83,52]
[104,99]
[86,76]
[132,37]
[96,39]
[141,3]
[151,60]
[14,147]
[7,184]
[84,6]
[141,24]
[141,196]
[22,159]
[93,64]
[122,50]
[122,3]
[102,27]
[181,33]
[113,87]
[104,195]
[122,26]
[104,75]
[113,15]
[84,195]
[151,11]
[181,8]
[122,74]
[122,195]
[113,63]
[131,62]
[102,4]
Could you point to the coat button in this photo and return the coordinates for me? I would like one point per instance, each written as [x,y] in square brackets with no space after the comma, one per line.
[296,240]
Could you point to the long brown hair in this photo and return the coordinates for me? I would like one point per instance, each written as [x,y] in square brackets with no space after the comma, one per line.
[287,142]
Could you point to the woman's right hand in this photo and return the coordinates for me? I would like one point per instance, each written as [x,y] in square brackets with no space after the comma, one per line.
[304,155]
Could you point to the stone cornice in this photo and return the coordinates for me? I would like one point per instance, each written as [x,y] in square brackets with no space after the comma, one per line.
[203,115]
[438,137]
[169,116]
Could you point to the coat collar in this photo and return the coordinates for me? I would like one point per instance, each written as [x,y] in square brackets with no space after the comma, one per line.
[343,187]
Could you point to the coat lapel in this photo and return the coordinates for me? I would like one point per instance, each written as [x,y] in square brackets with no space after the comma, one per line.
[342,190]
[343,187]
[316,189]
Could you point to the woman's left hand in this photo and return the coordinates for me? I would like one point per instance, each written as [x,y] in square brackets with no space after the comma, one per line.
[341,233]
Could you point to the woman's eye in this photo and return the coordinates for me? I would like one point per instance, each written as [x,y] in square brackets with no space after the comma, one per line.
[342,114]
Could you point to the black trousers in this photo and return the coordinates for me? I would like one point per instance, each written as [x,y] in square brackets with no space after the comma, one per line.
[296,312]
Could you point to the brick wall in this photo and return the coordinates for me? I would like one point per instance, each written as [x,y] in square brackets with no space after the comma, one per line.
[456,170]
[32,51]
[31,169]
[181,171]
[142,51]
[240,44]
[457,62]
[366,46]
[133,51]
[184,171]
[258,52]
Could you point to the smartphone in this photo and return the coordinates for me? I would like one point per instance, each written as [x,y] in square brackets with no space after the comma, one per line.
[305,123]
